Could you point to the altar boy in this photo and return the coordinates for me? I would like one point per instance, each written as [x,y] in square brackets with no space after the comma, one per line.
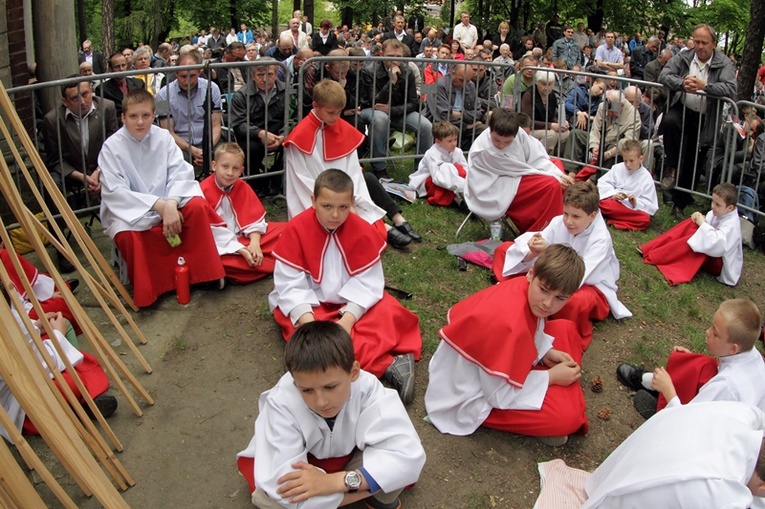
[328,267]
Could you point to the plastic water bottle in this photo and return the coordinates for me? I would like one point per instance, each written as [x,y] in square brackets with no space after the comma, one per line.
[182,282]
[495,229]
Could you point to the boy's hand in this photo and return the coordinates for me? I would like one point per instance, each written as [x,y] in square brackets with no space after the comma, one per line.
[537,244]
[257,254]
[681,349]
[58,322]
[306,482]
[663,383]
[346,321]
[245,253]
[564,373]
[632,199]
[698,218]
[566,181]
[172,219]
[553,357]
[619,196]
[305,318]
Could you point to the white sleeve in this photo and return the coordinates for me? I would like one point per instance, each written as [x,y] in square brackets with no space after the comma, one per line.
[256,227]
[293,289]
[364,290]
[75,356]
[225,240]
[514,258]
[445,175]
[298,181]
[43,287]
[647,200]
[708,240]
[607,185]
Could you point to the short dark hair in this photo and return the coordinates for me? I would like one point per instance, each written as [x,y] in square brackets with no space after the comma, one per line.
[444,128]
[138,96]
[334,180]
[234,45]
[583,196]
[318,346]
[66,87]
[727,192]
[560,268]
[524,120]
[504,122]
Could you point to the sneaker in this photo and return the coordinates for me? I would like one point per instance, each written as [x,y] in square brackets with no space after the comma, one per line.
[554,441]
[106,404]
[645,403]
[407,230]
[400,376]
[630,376]
[398,240]
[373,503]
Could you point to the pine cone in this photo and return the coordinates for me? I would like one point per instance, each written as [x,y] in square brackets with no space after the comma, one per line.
[604,413]
[596,385]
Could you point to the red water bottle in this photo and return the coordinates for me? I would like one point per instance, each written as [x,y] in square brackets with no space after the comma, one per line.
[182,282]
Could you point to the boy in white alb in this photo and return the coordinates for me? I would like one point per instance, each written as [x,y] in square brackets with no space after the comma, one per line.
[711,243]
[442,170]
[582,227]
[245,240]
[328,267]
[323,140]
[628,192]
[329,434]
[510,175]
[692,378]
[148,197]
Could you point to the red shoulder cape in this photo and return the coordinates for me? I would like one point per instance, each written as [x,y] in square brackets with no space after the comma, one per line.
[495,329]
[304,243]
[340,139]
[244,202]
[29,269]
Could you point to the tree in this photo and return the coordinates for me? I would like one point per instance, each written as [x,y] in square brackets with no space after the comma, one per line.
[755,34]
[107,27]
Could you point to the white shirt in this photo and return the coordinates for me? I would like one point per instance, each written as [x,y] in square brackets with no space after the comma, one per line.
[695,102]
[373,420]
[135,174]
[460,395]
[494,175]
[721,237]
[226,236]
[467,35]
[639,183]
[438,164]
[594,245]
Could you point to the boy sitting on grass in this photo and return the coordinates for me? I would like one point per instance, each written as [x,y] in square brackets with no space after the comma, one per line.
[582,227]
[693,378]
[502,365]
[711,242]
[627,191]
[329,434]
[328,267]
[246,240]
[441,173]
[149,198]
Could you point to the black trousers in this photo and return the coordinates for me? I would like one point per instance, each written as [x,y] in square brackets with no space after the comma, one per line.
[380,196]
[680,128]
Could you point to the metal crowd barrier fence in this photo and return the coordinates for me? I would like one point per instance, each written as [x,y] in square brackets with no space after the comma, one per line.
[240,121]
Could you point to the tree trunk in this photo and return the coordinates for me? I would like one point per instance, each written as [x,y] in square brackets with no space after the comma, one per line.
[295,6]
[346,16]
[308,9]
[107,27]
[274,19]
[53,21]
[750,59]
[82,23]
[595,19]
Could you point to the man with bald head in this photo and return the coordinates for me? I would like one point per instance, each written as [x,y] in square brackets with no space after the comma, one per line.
[654,67]
[283,49]
[299,38]
[456,102]
[704,70]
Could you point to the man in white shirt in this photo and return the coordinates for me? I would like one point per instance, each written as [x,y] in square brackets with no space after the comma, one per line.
[466,33]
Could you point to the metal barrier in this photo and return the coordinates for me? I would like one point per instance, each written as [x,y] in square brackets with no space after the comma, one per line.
[236,123]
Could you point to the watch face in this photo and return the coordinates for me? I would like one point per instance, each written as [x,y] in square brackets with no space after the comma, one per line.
[353,480]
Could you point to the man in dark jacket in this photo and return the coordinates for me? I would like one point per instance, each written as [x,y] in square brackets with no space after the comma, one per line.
[399,32]
[389,100]
[702,69]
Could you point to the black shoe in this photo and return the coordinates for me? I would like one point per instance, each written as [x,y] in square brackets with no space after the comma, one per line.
[668,181]
[407,229]
[64,266]
[677,212]
[73,284]
[400,375]
[381,174]
[645,403]
[630,376]
[373,503]
[107,405]
[398,240]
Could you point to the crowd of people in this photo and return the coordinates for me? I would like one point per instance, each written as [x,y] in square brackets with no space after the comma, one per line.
[164,133]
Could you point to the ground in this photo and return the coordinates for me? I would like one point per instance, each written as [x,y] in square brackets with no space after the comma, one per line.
[213,357]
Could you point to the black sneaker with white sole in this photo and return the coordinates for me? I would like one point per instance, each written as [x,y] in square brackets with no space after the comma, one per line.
[400,376]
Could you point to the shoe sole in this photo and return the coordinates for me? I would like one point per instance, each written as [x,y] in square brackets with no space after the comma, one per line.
[554,441]
[645,404]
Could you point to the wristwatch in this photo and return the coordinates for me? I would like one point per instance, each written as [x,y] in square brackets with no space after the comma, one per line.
[352,481]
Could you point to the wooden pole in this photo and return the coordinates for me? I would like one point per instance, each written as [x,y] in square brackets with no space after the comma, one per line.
[16,485]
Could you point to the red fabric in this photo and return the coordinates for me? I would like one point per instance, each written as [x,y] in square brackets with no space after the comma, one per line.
[622,217]
[498,264]
[539,199]
[387,329]
[563,411]
[557,162]
[340,139]
[151,260]
[237,270]
[52,305]
[688,371]
[246,466]
[585,173]
[675,259]
[438,195]
[504,347]
[304,242]
[588,304]
[244,202]
[93,378]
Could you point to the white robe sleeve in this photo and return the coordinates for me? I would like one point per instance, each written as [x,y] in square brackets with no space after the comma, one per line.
[43,287]
[293,293]
[364,290]
[708,240]
[514,258]
[225,240]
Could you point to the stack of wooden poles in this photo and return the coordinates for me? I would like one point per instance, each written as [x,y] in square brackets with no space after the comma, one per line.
[61,420]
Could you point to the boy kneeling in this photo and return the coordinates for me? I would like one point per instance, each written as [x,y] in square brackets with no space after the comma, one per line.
[503,366]
[329,434]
